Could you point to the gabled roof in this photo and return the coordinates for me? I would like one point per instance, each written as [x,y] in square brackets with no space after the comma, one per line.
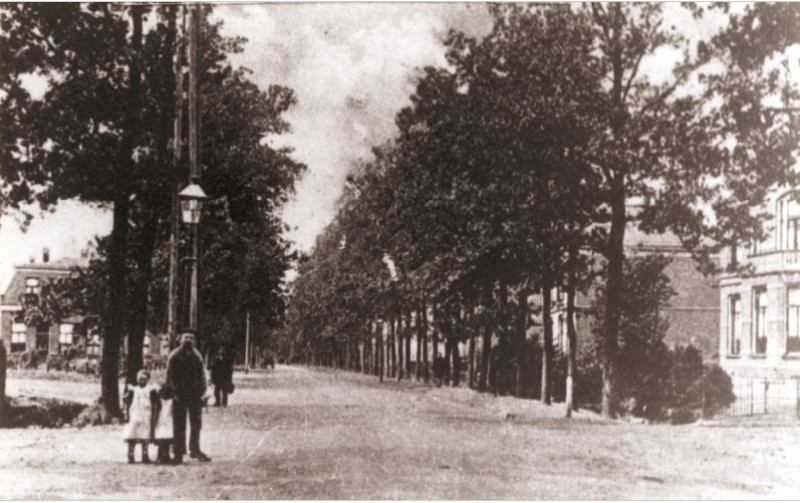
[64,264]
[635,238]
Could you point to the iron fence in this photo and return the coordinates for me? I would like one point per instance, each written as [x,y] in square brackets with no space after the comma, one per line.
[774,397]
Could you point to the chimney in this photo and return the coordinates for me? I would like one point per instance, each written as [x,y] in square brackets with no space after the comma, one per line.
[32,259]
[45,255]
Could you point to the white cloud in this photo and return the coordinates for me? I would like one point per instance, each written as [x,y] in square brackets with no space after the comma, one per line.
[351,67]
[70,228]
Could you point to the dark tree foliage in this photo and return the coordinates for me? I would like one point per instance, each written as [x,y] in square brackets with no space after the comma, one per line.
[644,359]
[103,133]
[512,171]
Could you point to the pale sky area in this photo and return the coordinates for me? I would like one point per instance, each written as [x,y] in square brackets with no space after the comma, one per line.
[352,67]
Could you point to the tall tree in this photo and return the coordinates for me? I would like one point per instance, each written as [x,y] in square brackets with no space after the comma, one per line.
[699,158]
[101,134]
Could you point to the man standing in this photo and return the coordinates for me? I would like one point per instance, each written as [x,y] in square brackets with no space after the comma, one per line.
[187,376]
[221,377]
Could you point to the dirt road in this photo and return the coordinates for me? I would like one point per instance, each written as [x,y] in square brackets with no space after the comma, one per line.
[298,433]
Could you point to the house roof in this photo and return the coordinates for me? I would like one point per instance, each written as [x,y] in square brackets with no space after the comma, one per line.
[64,264]
[15,285]
[635,238]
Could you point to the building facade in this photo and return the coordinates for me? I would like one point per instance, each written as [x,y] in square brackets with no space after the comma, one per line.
[24,288]
[759,331]
[53,339]
[693,312]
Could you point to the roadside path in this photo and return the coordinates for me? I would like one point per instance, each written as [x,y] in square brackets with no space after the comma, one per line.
[299,433]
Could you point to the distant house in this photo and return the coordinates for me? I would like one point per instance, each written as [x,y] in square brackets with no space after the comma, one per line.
[25,286]
[55,338]
[693,312]
[759,332]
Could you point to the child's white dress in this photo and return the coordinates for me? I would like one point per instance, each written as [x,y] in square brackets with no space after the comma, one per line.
[140,414]
[163,429]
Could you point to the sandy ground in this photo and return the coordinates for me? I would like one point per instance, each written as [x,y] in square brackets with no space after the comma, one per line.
[299,433]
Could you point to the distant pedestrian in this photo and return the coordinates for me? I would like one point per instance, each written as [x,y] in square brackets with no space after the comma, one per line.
[186,375]
[440,370]
[141,401]
[163,434]
[222,377]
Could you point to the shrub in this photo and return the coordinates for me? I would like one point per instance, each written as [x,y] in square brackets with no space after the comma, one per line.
[44,412]
[589,379]
[717,390]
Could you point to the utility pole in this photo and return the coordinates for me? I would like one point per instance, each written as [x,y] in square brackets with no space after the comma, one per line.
[177,145]
[194,170]
[247,341]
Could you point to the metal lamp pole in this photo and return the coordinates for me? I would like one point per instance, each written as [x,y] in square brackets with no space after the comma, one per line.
[192,197]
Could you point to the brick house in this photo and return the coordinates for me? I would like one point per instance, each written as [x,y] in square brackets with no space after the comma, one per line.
[27,280]
[759,330]
[693,312]
[56,337]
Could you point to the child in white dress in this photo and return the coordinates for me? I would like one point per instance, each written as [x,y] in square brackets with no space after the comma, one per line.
[163,436]
[142,403]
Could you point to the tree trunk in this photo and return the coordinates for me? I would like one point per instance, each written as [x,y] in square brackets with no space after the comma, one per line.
[407,338]
[364,354]
[3,367]
[471,350]
[501,361]
[519,339]
[447,349]
[547,349]
[487,335]
[115,328]
[571,334]
[419,342]
[456,361]
[435,335]
[400,356]
[424,325]
[615,250]
[392,349]
[381,352]
[376,348]
[177,175]
[616,257]
[140,302]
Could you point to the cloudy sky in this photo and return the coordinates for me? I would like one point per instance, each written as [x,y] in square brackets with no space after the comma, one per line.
[352,67]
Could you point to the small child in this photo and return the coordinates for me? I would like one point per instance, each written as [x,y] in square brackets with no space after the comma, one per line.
[163,431]
[142,402]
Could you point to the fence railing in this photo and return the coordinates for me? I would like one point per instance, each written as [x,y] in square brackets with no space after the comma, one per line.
[774,397]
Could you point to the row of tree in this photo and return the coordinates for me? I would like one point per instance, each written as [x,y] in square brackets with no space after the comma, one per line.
[105,132]
[514,165]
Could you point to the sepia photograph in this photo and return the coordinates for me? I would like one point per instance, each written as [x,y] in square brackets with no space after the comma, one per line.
[399,251]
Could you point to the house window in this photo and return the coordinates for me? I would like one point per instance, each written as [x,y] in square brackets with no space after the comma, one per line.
[793,321]
[760,321]
[64,335]
[32,285]
[794,234]
[18,337]
[734,325]
[93,347]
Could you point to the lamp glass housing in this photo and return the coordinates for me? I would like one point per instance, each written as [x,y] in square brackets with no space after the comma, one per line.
[192,198]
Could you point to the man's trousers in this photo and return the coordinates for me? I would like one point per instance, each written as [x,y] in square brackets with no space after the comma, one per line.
[179,410]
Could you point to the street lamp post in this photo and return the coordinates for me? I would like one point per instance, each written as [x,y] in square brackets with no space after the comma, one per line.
[192,198]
